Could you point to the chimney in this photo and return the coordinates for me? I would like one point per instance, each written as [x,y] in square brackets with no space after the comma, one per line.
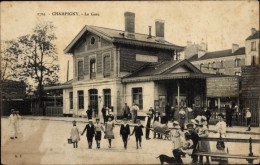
[203,46]
[129,22]
[234,47]
[150,32]
[201,53]
[253,31]
[159,29]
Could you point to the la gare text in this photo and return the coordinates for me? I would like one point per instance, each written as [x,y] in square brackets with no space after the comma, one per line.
[70,14]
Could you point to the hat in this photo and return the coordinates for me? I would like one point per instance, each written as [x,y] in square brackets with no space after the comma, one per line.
[203,118]
[194,121]
[74,121]
[190,125]
[90,120]
[221,115]
[176,124]
[97,118]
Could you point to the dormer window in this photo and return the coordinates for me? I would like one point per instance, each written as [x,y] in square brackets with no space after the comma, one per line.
[237,62]
[92,40]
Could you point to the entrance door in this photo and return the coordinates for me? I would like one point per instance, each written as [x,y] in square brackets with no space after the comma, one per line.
[93,101]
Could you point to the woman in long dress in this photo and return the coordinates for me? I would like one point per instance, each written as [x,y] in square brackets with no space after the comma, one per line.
[74,133]
[220,133]
[109,134]
[204,146]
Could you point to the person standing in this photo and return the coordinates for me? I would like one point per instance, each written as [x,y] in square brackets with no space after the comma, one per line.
[135,108]
[98,128]
[204,146]
[176,136]
[156,118]
[151,110]
[13,123]
[172,113]
[90,132]
[182,114]
[74,134]
[220,133]
[126,111]
[89,112]
[138,133]
[164,121]
[207,114]
[168,111]
[125,132]
[109,133]
[193,135]
[248,118]
[148,124]
[229,114]
[104,113]
[18,121]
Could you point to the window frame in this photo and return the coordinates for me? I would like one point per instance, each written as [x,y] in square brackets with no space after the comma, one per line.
[80,105]
[78,77]
[71,100]
[104,55]
[138,93]
[107,97]
[237,62]
[253,46]
[92,75]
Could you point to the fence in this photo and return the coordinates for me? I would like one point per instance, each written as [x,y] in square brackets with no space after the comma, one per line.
[54,111]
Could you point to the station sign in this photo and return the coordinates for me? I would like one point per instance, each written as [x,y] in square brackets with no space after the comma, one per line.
[223,87]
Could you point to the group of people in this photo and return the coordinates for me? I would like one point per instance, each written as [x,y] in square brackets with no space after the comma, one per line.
[189,143]
[130,113]
[14,123]
[95,130]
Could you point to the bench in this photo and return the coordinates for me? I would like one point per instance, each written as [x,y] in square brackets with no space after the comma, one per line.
[250,157]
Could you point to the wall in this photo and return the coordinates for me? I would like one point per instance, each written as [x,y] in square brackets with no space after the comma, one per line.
[148,89]
[228,64]
[250,53]
[66,101]
[128,61]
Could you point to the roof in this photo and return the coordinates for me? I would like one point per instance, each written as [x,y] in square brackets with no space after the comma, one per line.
[164,70]
[256,35]
[119,36]
[218,54]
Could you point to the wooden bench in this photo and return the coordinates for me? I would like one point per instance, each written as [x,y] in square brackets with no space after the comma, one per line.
[250,157]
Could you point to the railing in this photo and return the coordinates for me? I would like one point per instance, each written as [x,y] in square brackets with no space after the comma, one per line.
[54,111]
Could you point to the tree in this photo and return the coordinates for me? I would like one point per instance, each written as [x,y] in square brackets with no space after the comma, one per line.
[38,58]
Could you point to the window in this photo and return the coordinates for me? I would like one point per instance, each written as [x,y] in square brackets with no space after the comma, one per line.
[80,70]
[92,68]
[107,97]
[106,71]
[253,60]
[92,40]
[222,64]
[80,99]
[253,46]
[71,100]
[138,97]
[237,62]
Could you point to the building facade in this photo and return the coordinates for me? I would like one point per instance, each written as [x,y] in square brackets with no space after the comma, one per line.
[102,57]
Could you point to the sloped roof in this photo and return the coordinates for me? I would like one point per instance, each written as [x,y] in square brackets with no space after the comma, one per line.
[256,35]
[218,54]
[160,69]
[119,36]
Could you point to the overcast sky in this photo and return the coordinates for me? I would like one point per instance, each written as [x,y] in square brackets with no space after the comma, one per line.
[220,23]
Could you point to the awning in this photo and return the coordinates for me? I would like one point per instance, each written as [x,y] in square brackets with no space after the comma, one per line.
[167,77]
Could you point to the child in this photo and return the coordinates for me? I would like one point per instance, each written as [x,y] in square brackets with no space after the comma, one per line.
[109,126]
[248,118]
[176,136]
[74,134]
[204,146]
[125,132]
[89,133]
[98,129]
[138,133]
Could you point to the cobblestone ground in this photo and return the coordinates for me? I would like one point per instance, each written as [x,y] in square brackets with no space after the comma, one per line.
[45,142]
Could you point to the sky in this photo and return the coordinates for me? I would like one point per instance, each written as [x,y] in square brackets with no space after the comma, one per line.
[220,23]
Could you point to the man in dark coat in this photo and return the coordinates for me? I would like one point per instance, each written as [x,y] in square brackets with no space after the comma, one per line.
[148,124]
[89,112]
[104,113]
[193,135]
[229,114]
[207,114]
[125,132]
[90,132]
[126,111]
[168,111]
